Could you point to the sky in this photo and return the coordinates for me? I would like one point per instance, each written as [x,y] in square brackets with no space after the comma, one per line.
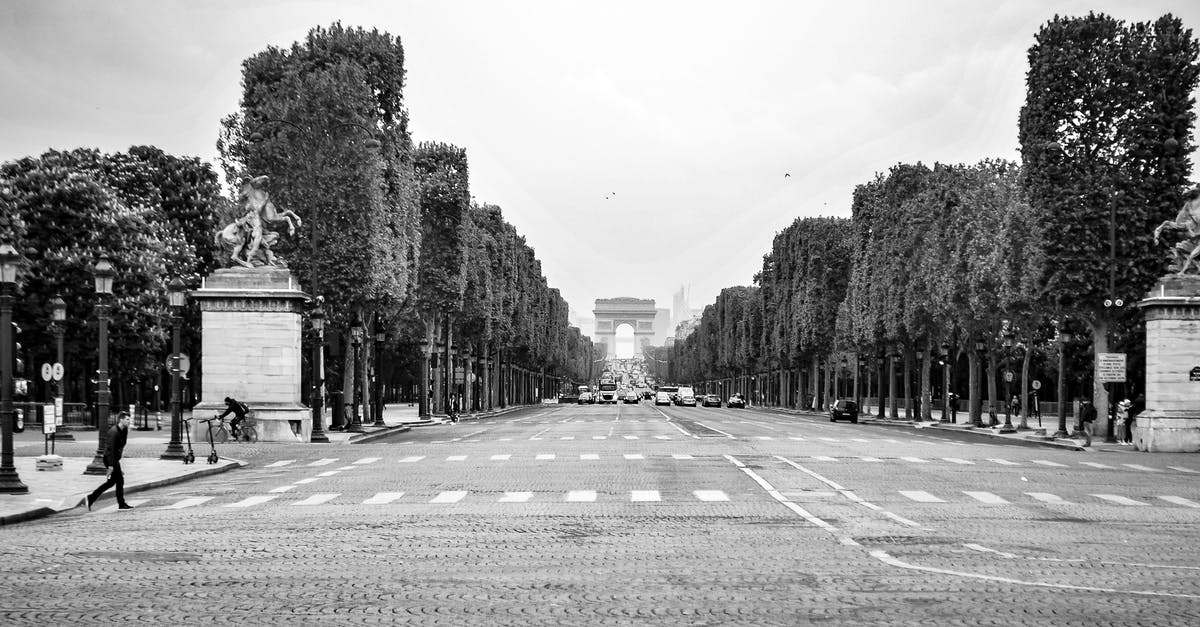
[639,146]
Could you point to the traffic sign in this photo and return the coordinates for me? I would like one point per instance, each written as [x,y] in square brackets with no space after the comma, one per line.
[1037,385]
[57,372]
[47,372]
[1110,367]
[179,362]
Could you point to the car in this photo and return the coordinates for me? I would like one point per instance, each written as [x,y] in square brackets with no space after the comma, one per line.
[712,400]
[736,400]
[648,394]
[632,397]
[843,409]
[685,397]
[586,397]
[662,398]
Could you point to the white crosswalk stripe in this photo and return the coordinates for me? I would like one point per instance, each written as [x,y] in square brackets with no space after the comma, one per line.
[114,507]
[367,460]
[500,458]
[281,489]
[634,456]
[1045,497]
[456,458]
[1141,467]
[308,480]
[516,497]
[581,496]
[282,462]
[589,456]
[1043,462]
[711,496]
[316,499]
[1097,465]
[920,496]
[1179,500]
[188,502]
[383,498]
[328,473]
[1182,469]
[955,460]
[1120,500]
[544,457]
[986,497]
[449,497]
[323,462]
[915,460]
[1002,462]
[412,459]
[253,500]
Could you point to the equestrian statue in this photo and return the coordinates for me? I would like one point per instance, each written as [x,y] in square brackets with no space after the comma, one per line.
[1185,252]
[250,242]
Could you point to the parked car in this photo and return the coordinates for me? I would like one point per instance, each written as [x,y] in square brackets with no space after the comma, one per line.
[685,396]
[662,398]
[712,400]
[631,397]
[736,400]
[843,409]
[586,397]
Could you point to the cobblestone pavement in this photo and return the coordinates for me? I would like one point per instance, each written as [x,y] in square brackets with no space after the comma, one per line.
[625,515]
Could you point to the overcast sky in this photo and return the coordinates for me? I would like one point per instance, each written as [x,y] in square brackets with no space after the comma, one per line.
[639,146]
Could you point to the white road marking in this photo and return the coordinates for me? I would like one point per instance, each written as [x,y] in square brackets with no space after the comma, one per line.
[115,506]
[1141,467]
[449,497]
[662,437]
[870,459]
[824,458]
[307,480]
[955,460]
[1179,500]
[1003,462]
[631,437]
[567,437]
[254,500]
[644,496]
[599,437]
[456,458]
[681,456]
[409,460]
[589,456]
[581,496]
[1097,465]
[188,502]
[710,495]
[282,462]
[317,499]
[328,473]
[986,497]
[1182,469]
[323,462]
[920,496]
[1045,497]
[544,456]
[634,456]
[1049,463]
[915,460]
[516,497]
[367,460]
[282,489]
[383,498]
[1119,500]
[500,458]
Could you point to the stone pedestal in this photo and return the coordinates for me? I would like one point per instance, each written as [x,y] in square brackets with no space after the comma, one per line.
[251,326]
[1171,420]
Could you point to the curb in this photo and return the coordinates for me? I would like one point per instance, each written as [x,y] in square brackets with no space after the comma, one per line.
[367,437]
[132,488]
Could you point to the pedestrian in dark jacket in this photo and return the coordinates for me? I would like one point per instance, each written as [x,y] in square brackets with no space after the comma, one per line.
[113,451]
[1087,417]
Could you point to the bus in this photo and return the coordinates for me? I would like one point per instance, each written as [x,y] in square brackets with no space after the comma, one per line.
[608,391]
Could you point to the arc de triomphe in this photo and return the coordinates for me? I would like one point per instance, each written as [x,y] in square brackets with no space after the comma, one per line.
[611,313]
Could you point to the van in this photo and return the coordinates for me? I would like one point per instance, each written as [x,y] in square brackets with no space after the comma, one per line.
[685,397]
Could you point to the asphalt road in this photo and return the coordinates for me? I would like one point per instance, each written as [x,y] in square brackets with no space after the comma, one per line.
[632,514]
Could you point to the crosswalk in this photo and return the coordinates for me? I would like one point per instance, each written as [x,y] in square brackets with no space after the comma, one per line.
[549,457]
[991,498]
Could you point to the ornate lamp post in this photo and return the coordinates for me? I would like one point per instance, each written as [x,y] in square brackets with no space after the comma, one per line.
[103,274]
[176,296]
[1064,336]
[921,370]
[423,410]
[356,338]
[1009,341]
[10,481]
[980,353]
[58,321]
[946,392]
[380,337]
[317,319]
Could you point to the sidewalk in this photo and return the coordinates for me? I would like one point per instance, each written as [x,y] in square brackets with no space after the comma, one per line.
[1034,436]
[51,492]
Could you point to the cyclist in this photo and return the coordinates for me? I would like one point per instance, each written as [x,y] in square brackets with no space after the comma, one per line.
[239,411]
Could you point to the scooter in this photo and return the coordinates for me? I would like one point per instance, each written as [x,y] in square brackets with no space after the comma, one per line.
[190,457]
[212,457]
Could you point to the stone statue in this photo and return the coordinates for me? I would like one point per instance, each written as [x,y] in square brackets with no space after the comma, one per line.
[1186,251]
[250,243]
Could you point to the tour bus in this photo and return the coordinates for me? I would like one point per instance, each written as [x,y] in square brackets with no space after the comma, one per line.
[608,391]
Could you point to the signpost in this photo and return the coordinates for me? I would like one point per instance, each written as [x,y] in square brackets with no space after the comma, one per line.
[1110,367]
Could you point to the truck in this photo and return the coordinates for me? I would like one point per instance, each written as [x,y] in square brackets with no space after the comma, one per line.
[607,391]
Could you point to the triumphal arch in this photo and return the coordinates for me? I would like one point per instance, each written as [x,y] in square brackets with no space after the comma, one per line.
[611,313]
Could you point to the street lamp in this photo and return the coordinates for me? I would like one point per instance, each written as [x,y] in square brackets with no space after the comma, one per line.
[980,352]
[423,410]
[10,481]
[380,337]
[103,277]
[317,319]
[921,370]
[176,296]
[1009,342]
[356,338]
[948,403]
[58,321]
[1064,336]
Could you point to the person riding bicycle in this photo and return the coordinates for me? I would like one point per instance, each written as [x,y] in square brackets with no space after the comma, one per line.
[239,411]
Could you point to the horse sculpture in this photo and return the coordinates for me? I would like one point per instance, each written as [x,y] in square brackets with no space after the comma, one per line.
[1186,251]
[250,244]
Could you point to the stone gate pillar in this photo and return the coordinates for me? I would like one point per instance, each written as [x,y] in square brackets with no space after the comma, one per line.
[251,327]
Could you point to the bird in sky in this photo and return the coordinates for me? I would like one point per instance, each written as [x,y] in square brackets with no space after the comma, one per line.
[786,174]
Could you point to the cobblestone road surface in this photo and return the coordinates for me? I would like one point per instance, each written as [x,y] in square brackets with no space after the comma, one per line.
[627,515]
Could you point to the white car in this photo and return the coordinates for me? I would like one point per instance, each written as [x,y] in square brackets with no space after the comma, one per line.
[662,398]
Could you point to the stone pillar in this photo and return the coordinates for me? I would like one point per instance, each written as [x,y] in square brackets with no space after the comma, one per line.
[1171,420]
[251,328]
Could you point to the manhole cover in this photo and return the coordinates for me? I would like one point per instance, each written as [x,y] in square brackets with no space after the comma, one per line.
[140,556]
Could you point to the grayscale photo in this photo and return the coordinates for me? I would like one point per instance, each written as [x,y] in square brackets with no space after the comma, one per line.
[567,312]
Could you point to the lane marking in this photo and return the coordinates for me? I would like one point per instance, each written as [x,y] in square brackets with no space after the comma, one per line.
[581,496]
[367,460]
[824,458]
[986,497]
[413,459]
[383,498]
[308,480]
[281,489]
[456,458]
[634,456]
[1119,500]
[682,456]
[544,456]
[955,460]
[1097,465]
[870,459]
[1141,467]
[449,496]
[1179,500]
[500,458]
[915,460]
[282,462]
[712,496]
[317,499]
[920,496]
[516,497]
[1049,463]
[188,502]
[1045,497]
[328,473]
[323,462]
[1182,469]
[253,500]
[589,456]
[1003,462]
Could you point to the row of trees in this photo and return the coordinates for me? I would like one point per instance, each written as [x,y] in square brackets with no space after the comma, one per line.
[970,255]
[390,236]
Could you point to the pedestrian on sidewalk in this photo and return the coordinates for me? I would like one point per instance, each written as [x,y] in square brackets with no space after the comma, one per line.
[113,450]
[1087,416]
[1122,419]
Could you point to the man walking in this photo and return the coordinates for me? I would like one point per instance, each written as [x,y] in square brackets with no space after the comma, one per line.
[1087,416]
[113,451]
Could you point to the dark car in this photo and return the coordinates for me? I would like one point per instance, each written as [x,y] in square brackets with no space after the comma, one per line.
[736,400]
[843,410]
[712,400]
